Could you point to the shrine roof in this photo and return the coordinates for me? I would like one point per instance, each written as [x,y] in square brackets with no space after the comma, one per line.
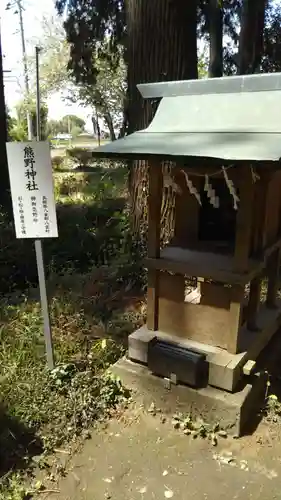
[229,118]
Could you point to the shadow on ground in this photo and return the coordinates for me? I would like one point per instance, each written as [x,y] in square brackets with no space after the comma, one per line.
[18,445]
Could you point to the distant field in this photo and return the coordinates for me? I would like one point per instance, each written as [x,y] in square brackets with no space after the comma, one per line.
[61,146]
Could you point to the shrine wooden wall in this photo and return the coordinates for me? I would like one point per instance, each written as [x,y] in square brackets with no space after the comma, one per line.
[221,310]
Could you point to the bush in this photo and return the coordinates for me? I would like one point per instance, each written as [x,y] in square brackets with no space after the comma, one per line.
[81,156]
[68,184]
[93,230]
[57,162]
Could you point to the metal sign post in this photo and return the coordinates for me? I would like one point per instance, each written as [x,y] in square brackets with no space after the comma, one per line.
[38,245]
[33,200]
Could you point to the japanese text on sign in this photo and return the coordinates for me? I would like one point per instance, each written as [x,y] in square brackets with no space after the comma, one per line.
[46,214]
[21,212]
[32,190]
[30,172]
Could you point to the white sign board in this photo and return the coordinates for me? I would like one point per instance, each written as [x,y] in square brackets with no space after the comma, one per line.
[32,189]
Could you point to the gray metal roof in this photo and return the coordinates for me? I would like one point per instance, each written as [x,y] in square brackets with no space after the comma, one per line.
[245,83]
[230,118]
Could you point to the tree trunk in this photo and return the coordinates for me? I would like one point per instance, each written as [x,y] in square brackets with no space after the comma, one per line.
[251,36]
[162,46]
[108,120]
[96,126]
[5,197]
[215,15]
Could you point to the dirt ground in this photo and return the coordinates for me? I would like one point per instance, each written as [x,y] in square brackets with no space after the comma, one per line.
[139,456]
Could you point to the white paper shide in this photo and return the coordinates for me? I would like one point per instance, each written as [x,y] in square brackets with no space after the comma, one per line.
[32,189]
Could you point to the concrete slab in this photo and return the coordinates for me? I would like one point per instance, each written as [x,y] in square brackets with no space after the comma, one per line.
[231,410]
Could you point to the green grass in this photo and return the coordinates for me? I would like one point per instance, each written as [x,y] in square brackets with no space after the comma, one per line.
[41,410]
[95,282]
[51,405]
[94,229]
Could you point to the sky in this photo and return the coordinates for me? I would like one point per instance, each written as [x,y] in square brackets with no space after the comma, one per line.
[12,52]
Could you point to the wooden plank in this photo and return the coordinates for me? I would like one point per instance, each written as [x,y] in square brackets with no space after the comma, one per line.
[269,198]
[197,322]
[153,299]
[244,219]
[215,295]
[251,344]
[267,207]
[258,216]
[262,192]
[153,247]
[206,322]
[208,272]
[172,286]
[235,317]
[243,240]
[253,304]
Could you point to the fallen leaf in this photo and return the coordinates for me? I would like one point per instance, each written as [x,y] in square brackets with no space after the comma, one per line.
[107,480]
[38,485]
[222,433]
[165,473]
[169,493]
[214,440]
[143,490]
[152,408]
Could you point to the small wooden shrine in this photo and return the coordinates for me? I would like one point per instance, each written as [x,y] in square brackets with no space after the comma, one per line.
[212,291]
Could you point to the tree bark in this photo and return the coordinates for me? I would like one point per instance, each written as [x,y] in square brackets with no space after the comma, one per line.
[96,126]
[215,15]
[251,36]
[161,46]
[5,197]
[108,120]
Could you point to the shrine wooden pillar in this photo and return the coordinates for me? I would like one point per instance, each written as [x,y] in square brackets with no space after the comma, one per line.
[155,192]
[273,278]
[241,253]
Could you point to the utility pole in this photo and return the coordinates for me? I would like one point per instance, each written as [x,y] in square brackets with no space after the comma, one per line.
[25,69]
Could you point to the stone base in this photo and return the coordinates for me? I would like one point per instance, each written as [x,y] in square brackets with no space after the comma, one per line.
[231,410]
[226,370]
